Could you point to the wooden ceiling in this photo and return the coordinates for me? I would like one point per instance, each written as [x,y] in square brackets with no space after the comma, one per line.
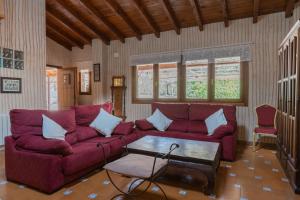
[77,22]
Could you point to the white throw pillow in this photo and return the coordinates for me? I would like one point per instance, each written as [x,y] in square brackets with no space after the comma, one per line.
[105,123]
[159,120]
[52,130]
[214,121]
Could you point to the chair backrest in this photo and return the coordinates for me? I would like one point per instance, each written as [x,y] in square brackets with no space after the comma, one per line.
[266,115]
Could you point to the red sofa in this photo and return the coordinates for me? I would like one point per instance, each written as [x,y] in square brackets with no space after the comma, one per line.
[188,123]
[49,164]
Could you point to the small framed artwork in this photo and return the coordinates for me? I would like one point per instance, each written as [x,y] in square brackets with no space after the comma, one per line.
[97,72]
[7,53]
[10,85]
[8,63]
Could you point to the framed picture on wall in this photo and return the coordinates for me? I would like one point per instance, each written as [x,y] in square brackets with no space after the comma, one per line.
[97,72]
[10,85]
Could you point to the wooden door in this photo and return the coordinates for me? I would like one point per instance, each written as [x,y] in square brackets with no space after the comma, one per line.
[67,88]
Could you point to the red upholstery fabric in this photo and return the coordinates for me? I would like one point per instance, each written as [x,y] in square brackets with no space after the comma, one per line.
[197,127]
[41,145]
[179,125]
[143,124]
[84,132]
[202,111]
[266,115]
[266,130]
[71,138]
[84,155]
[41,171]
[85,114]
[30,122]
[124,128]
[173,110]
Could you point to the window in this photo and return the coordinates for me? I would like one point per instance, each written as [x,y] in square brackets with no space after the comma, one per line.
[167,81]
[227,78]
[85,82]
[197,79]
[222,80]
[144,82]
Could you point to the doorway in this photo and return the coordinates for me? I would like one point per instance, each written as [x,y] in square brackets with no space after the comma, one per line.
[51,88]
[61,87]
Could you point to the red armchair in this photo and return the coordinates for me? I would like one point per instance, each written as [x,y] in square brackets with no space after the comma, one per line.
[266,125]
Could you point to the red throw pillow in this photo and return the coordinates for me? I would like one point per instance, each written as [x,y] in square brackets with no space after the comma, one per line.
[40,145]
[124,128]
[85,114]
[144,125]
[222,131]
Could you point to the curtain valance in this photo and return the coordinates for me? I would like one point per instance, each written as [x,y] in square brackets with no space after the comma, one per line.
[243,51]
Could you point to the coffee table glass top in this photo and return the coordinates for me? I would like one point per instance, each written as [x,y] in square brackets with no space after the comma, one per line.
[196,151]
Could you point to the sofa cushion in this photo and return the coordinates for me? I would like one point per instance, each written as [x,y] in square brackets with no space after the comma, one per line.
[223,131]
[143,124]
[124,128]
[84,156]
[179,125]
[85,114]
[214,121]
[40,145]
[203,111]
[84,132]
[105,123]
[29,122]
[173,111]
[115,144]
[197,127]
[159,120]
[52,130]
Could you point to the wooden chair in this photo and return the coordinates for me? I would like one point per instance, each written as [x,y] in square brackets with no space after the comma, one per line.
[140,167]
[266,125]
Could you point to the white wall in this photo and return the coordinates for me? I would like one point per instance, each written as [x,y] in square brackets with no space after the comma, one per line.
[24,28]
[265,37]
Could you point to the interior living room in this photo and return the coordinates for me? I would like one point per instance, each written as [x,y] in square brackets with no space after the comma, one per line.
[149,99]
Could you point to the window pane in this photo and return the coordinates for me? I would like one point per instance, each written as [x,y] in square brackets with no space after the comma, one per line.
[145,82]
[227,78]
[85,81]
[197,79]
[168,80]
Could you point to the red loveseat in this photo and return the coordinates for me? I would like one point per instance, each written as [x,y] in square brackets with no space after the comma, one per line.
[49,164]
[188,123]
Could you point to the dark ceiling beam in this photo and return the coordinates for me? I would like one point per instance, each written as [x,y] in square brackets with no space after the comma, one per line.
[52,34]
[255,10]
[290,4]
[171,15]
[101,35]
[58,26]
[60,17]
[225,12]
[147,17]
[112,4]
[102,18]
[197,13]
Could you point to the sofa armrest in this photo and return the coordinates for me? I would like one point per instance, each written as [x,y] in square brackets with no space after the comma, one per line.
[47,146]
[124,128]
[144,125]
[40,171]
[223,131]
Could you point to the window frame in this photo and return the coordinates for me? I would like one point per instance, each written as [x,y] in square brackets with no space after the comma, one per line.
[181,86]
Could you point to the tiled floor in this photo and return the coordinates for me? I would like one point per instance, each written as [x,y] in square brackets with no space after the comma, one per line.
[255,176]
